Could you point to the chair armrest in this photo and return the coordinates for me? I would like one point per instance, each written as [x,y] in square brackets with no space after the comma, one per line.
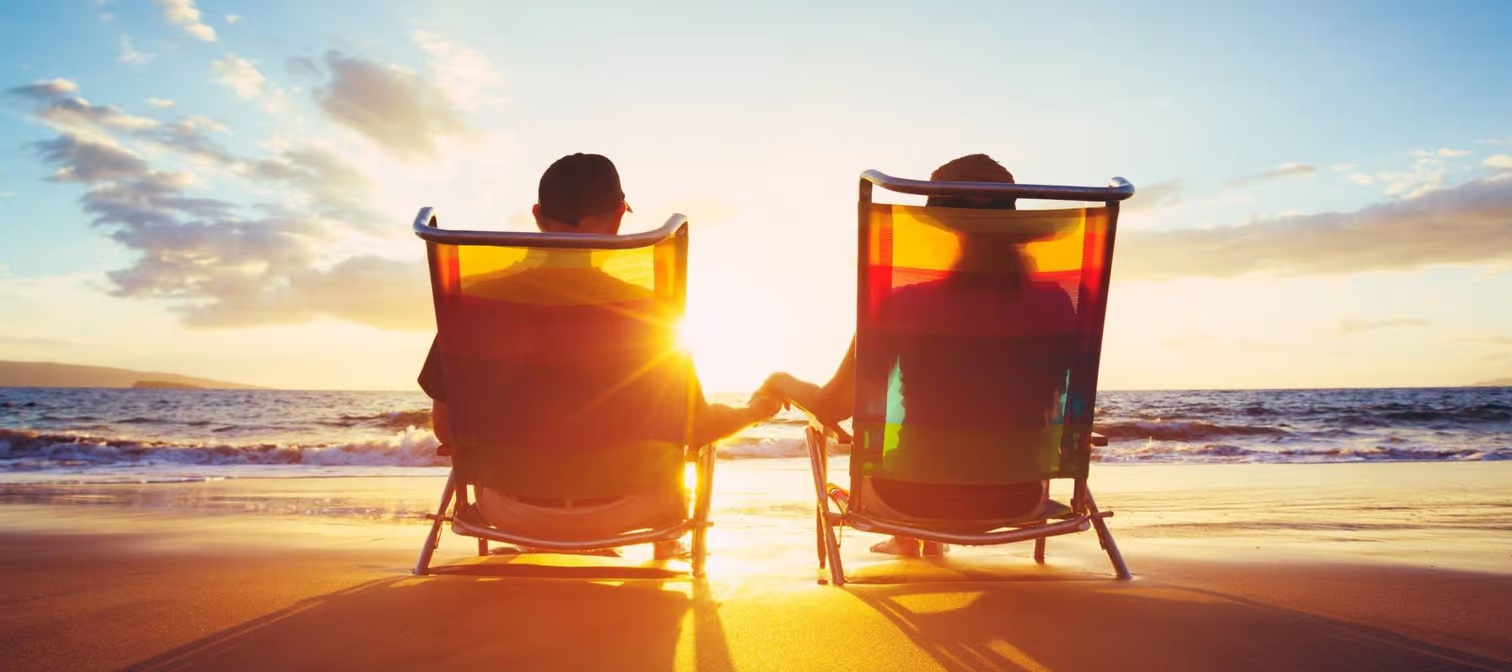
[831,429]
[1099,440]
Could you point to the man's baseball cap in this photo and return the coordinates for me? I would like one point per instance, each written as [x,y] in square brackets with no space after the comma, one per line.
[578,186]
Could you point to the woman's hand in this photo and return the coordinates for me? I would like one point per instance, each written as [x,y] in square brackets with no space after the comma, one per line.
[807,396]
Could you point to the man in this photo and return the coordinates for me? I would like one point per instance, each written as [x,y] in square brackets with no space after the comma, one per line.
[988,385]
[581,397]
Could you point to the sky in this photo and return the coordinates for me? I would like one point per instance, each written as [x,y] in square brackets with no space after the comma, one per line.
[225,189]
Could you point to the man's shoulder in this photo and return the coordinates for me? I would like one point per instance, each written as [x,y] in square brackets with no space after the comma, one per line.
[550,284]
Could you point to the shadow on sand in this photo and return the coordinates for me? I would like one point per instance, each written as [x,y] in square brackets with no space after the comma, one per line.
[481,615]
[520,613]
[986,617]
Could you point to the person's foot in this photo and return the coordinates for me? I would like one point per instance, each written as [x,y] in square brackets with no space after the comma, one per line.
[935,549]
[669,550]
[899,546]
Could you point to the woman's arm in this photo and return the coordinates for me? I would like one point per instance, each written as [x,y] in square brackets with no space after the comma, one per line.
[833,402]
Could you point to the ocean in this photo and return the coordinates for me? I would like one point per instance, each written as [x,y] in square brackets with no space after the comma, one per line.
[71,435]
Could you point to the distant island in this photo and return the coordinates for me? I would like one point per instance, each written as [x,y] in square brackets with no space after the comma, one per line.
[1499,382]
[51,374]
[164,385]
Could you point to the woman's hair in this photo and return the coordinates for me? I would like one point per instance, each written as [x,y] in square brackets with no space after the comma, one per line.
[988,251]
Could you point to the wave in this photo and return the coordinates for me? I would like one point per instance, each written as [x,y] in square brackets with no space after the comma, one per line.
[22,450]
[1178,453]
[1396,412]
[740,448]
[1184,430]
[392,420]
[399,443]
[31,451]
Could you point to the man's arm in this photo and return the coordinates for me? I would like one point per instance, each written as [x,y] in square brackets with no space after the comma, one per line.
[712,422]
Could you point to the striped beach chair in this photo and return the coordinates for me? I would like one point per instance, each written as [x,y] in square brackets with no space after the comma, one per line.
[978,335]
[562,381]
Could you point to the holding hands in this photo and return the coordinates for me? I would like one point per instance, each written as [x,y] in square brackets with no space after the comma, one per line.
[764,404]
[792,391]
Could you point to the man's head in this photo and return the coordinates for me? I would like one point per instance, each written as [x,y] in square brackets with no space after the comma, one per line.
[973,168]
[580,194]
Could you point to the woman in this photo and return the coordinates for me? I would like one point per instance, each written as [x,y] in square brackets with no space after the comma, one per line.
[1005,381]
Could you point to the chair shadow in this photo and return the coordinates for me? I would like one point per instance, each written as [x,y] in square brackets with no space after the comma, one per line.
[1014,624]
[985,569]
[483,615]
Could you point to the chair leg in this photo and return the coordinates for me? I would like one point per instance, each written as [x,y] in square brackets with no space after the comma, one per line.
[832,548]
[702,502]
[1039,548]
[433,539]
[829,545]
[1105,538]
[819,535]
[483,548]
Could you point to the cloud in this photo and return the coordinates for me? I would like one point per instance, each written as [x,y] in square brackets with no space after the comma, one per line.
[130,56]
[159,103]
[1443,152]
[1281,171]
[217,262]
[59,108]
[241,76]
[31,342]
[402,112]
[1350,326]
[80,160]
[233,18]
[189,137]
[1344,167]
[1360,178]
[1498,162]
[182,13]
[1158,195]
[1467,224]
[323,183]
[464,73]
[45,89]
[302,66]
[1427,174]
[248,83]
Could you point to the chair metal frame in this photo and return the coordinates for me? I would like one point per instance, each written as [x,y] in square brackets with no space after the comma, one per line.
[454,499]
[1084,511]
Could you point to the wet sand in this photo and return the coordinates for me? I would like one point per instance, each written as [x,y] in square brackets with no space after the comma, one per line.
[1366,566]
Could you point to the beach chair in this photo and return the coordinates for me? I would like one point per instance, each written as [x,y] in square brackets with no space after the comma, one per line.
[551,344]
[975,371]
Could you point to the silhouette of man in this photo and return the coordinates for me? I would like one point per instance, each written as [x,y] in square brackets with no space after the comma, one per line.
[606,383]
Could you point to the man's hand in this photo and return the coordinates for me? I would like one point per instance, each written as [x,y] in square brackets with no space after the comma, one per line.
[764,404]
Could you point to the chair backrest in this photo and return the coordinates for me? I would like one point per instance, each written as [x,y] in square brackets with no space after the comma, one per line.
[978,333]
[561,374]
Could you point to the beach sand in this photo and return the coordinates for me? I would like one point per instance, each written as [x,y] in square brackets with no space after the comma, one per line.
[1352,566]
